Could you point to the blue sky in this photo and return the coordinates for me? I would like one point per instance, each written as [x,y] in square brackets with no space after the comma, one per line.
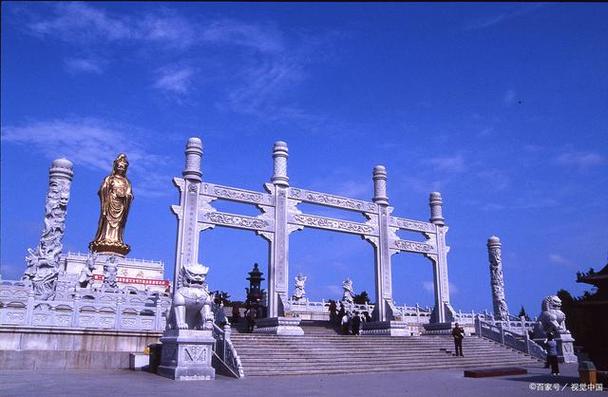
[500,107]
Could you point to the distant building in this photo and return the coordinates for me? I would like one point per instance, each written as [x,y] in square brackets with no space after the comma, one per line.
[138,273]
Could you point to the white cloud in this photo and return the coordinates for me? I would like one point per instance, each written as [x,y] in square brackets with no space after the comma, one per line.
[265,38]
[75,21]
[94,144]
[174,80]
[429,286]
[559,260]
[448,164]
[581,160]
[496,179]
[509,97]
[83,65]
[487,22]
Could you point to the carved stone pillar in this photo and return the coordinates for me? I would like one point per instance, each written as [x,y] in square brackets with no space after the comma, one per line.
[501,311]
[188,211]
[442,312]
[278,271]
[43,263]
[383,279]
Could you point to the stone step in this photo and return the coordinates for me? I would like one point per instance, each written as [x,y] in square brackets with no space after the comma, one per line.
[322,353]
[356,369]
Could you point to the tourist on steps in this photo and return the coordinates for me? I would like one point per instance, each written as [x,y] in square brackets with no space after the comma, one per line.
[236,314]
[344,324]
[250,315]
[552,354]
[458,334]
[356,323]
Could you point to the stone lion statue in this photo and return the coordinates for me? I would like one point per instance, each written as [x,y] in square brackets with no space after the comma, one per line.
[192,301]
[551,319]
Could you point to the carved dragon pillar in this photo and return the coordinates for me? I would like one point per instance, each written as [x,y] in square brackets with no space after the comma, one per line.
[501,311]
[43,263]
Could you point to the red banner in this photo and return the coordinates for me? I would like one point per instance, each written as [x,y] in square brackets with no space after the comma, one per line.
[135,280]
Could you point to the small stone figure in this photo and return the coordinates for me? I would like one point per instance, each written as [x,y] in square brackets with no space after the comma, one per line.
[110,273]
[299,294]
[349,294]
[86,274]
[192,301]
[116,196]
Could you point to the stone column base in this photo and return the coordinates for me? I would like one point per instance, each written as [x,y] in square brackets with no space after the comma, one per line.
[565,347]
[186,355]
[391,328]
[438,328]
[279,326]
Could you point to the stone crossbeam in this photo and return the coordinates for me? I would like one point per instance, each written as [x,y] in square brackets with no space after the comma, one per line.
[235,194]
[411,224]
[338,225]
[331,200]
[237,221]
[413,246]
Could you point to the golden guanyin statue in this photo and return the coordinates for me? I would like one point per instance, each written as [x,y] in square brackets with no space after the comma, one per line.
[115,195]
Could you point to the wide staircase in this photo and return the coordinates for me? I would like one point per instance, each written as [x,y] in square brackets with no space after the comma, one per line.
[323,351]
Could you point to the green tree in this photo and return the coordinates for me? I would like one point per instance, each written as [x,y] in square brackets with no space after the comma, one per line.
[362,298]
[222,297]
[522,312]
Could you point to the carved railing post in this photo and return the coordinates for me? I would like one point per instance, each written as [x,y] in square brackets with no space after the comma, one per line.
[443,311]
[383,279]
[188,210]
[501,311]
[278,271]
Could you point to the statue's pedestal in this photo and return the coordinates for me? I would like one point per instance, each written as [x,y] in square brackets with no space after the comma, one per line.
[186,355]
[565,346]
[279,326]
[391,328]
[438,328]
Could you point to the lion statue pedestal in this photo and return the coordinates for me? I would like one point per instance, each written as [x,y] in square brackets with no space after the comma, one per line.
[187,343]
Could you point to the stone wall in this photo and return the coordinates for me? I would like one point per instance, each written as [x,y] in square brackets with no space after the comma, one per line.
[34,348]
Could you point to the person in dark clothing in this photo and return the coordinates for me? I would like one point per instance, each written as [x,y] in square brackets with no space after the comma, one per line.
[552,354]
[250,315]
[341,313]
[458,334]
[236,314]
[344,322]
[333,310]
[356,323]
[367,317]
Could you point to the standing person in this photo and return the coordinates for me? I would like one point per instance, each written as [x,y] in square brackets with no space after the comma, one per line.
[251,314]
[344,323]
[552,354]
[333,309]
[340,313]
[236,313]
[356,322]
[458,334]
